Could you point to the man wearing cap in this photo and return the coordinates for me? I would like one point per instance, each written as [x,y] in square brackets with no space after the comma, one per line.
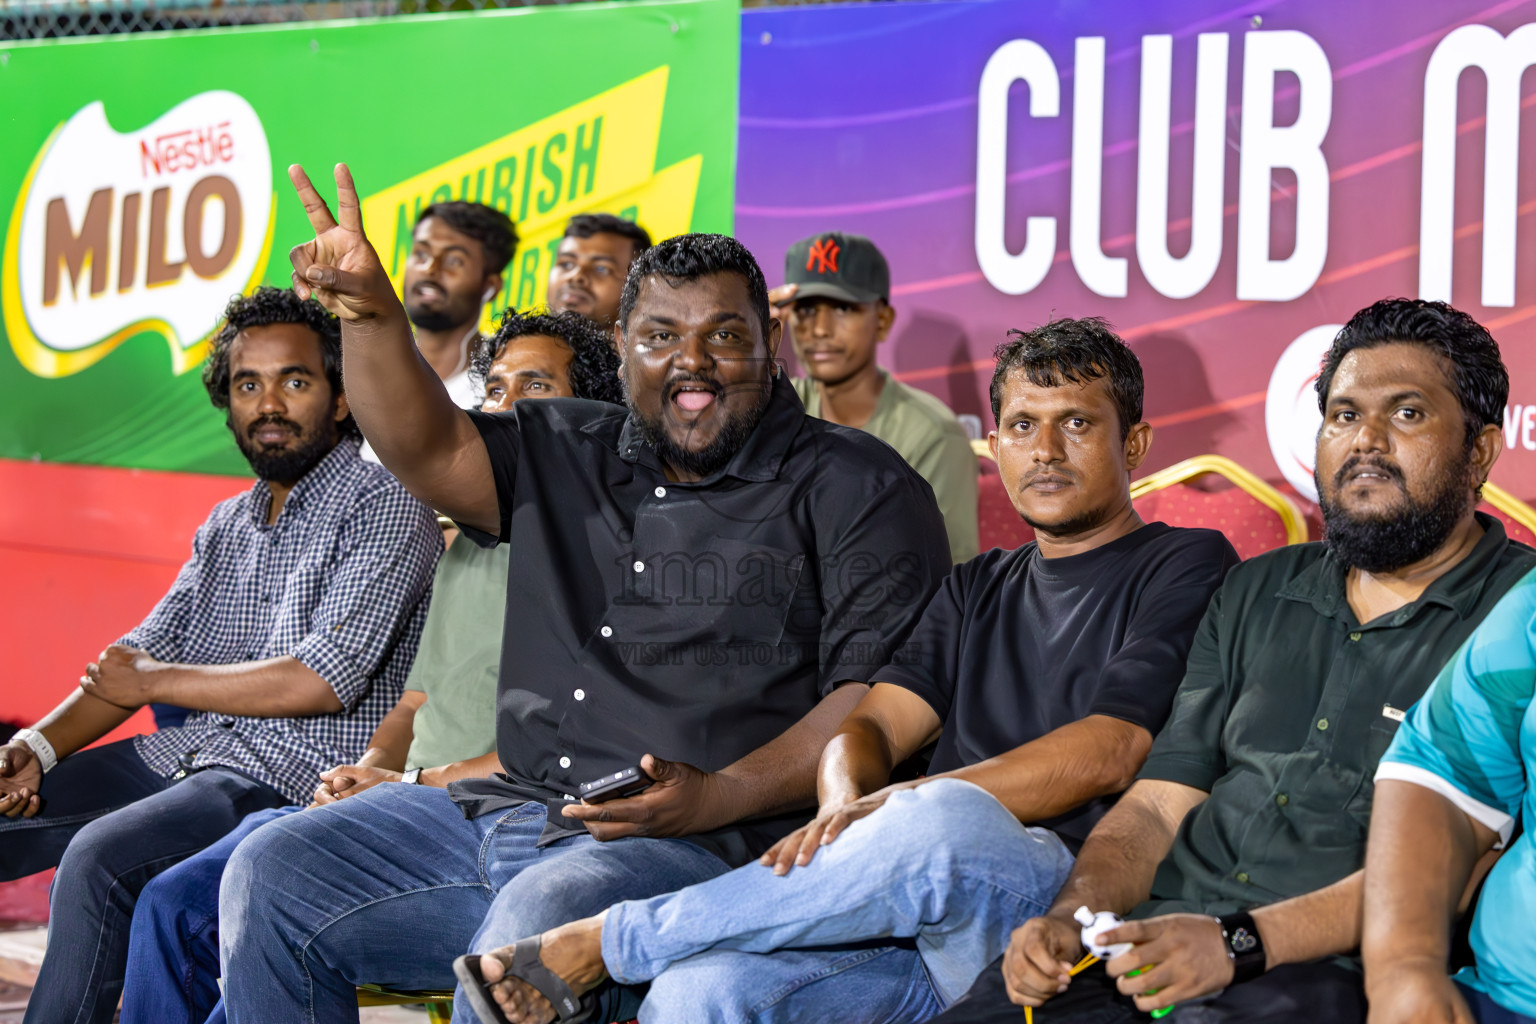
[836,303]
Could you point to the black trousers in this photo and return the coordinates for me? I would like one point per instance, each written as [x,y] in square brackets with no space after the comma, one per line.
[1321,992]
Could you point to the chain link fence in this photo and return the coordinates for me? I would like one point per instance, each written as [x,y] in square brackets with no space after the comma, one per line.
[52,19]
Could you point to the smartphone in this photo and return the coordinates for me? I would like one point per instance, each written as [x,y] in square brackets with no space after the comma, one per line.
[625,782]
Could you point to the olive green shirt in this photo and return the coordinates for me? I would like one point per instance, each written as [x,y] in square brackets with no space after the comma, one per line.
[459,658]
[1287,704]
[926,434]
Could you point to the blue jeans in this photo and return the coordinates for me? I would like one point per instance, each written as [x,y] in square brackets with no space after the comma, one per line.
[111,824]
[387,887]
[173,944]
[943,865]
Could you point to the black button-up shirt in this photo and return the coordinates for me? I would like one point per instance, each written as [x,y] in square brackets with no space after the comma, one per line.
[1287,705]
[692,621]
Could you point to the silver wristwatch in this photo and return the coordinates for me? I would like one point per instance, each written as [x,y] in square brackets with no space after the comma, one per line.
[412,777]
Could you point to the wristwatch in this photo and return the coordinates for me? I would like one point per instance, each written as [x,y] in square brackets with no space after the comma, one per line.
[1245,948]
[412,777]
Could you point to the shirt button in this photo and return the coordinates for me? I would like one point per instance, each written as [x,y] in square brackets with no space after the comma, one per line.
[1322,724]
[580,695]
[1242,876]
[606,631]
[1282,799]
[639,567]
[1355,637]
[565,762]
[661,492]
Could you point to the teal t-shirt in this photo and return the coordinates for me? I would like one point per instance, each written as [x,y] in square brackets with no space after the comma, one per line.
[459,657]
[1472,738]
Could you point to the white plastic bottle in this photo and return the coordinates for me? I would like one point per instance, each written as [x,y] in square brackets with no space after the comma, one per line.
[1095,925]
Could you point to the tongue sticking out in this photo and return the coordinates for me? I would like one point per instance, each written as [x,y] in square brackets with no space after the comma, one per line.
[694,401]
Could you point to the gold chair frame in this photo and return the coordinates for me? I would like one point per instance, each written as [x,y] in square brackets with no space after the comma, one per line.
[1510,505]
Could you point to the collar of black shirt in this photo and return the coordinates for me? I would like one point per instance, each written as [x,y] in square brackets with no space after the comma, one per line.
[327,469]
[758,460]
[1321,584]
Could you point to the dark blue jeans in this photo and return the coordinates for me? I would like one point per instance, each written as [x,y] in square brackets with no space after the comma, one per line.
[1486,1011]
[110,825]
[173,946]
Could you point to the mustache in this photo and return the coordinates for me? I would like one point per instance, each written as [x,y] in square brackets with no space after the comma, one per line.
[274,421]
[1029,477]
[675,383]
[1356,463]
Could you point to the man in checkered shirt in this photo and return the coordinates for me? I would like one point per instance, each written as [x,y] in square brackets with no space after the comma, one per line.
[289,634]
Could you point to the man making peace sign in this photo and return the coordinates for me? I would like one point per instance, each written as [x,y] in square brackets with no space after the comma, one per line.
[701,584]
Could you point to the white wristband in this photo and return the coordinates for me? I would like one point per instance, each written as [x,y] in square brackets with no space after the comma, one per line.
[40,746]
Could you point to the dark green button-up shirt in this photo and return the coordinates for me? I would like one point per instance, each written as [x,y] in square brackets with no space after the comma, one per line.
[1286,707]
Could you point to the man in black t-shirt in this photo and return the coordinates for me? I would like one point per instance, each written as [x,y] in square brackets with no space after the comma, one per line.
[1042,673]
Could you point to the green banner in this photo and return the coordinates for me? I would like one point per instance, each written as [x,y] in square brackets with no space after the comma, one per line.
[143,182]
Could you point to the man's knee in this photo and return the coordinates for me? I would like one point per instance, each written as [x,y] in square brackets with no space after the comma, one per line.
[941,816]
[98,851]
[541,897]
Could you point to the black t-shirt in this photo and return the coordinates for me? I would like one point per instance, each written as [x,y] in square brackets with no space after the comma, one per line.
[692,621]
[1014,646]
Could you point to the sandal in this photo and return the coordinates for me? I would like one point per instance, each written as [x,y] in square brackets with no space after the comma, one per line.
[528,968]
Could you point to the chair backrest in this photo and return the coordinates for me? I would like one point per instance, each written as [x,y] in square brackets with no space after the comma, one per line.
[997,522]
[1519,519]
[1254,516]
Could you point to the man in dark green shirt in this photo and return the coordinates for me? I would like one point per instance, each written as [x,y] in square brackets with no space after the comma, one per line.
[1238,852]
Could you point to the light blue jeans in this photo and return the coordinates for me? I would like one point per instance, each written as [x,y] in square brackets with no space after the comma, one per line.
[387,887]
[944,866]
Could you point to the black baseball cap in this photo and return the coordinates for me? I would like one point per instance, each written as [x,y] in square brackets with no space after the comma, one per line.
[838,266]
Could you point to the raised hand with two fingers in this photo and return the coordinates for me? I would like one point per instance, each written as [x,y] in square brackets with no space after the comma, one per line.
[339,266]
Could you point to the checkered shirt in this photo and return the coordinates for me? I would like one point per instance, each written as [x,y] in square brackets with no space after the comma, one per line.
[341,581]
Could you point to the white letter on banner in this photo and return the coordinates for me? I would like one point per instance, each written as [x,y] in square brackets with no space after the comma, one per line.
[1502,61]
[1179,278]
[1013,274]
[1297,147]
[1104,275]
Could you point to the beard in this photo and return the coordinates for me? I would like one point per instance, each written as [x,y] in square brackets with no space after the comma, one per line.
[1082,522]
[284,465]
[1409,532]
[440,320]
[714,456]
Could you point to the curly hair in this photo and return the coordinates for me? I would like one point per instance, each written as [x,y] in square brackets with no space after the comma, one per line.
[594,369]
[487,225]
[262,308]
[1478,376]
[690,257]
[1068,351]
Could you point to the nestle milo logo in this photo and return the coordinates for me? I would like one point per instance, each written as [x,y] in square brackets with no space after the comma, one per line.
[119,233]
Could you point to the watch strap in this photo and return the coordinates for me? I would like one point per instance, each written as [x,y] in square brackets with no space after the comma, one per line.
[39,745]
[1245,947]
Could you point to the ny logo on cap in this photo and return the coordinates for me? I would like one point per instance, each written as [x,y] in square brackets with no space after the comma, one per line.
[823,257]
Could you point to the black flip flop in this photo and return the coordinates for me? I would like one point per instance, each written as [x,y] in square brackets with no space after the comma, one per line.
[526,967]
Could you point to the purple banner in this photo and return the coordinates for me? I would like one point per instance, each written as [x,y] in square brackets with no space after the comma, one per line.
[1225,182]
